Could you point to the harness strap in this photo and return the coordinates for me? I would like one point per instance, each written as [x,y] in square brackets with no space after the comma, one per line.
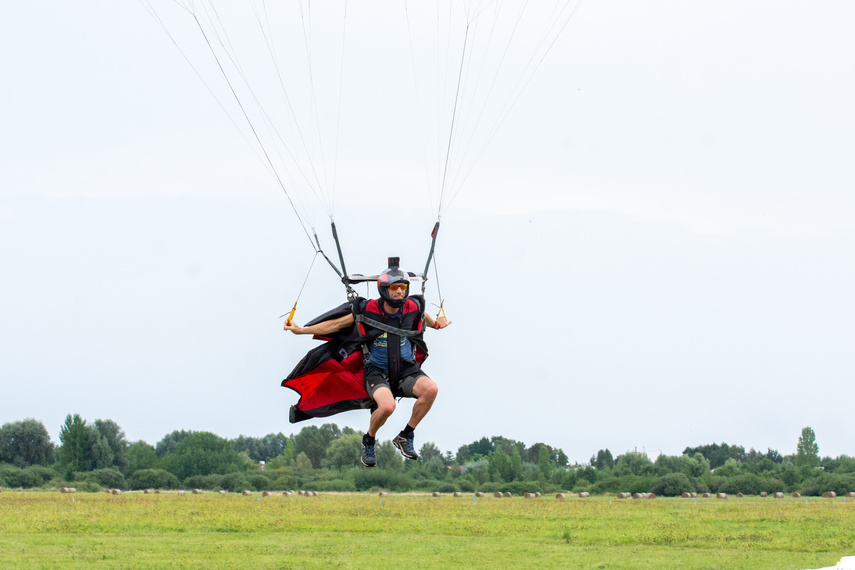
[384,327]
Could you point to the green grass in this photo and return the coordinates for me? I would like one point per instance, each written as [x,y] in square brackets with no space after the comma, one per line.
[48,530]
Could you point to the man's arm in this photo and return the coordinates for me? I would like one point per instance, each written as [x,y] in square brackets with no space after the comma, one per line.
[323,329]
[438,323]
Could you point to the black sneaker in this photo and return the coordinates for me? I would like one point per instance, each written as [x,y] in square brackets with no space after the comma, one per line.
[405,445]
[368,457]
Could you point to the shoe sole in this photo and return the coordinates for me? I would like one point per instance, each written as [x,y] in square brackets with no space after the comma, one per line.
[401,449]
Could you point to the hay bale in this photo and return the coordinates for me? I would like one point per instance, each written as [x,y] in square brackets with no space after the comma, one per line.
[779,495]
[560,496]
[650,495]
[584,494]
[764,494]
[829,495]
[507,495]
[623,495]
[157,491]
[64,490]
[850,494]
[498,495]
[246,493]
[436,493]
[739,495]
[197,491]
[479,494]
[687,495]
[181,492]
[383,494]
[797,495]
[694,495]
[223,491]
[529,495]
[706,495]
[148,491]
[721,496]
[639,495]
[458,494]
[265,493]
[538,495]
[116,492]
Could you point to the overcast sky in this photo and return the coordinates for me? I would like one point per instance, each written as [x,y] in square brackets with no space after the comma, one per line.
[654,252]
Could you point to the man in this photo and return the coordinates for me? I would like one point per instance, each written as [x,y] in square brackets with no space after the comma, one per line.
[391,328]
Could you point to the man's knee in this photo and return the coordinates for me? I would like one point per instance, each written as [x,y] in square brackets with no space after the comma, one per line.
[426,388]
[386,406]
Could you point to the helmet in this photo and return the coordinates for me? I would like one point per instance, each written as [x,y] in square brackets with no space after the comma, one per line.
[391,276]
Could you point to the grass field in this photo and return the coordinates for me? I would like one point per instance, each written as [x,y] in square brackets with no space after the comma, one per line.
[45,530]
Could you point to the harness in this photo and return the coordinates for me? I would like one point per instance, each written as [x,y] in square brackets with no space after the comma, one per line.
[411,318]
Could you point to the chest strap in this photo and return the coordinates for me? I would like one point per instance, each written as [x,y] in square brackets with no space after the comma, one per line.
[384,327]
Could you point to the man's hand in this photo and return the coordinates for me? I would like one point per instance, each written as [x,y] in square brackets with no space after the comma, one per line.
[441,323]
[293,327]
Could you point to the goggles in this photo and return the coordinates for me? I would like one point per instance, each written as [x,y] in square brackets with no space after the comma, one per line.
[398,287]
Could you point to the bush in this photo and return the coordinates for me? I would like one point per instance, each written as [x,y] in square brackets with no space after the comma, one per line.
[466,486]
[672,485]
[84,486]
[840,483]
[285,482]
[259,482]
[747,483]
[520,487]
[622,484]
[446,488]
[16,477]
[234,482]
[488,487]
[207,482]
[382,478]
[153,479]
[336,485]
[43,474]
[109,478]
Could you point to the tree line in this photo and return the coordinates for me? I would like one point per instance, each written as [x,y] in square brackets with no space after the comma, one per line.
[97,455]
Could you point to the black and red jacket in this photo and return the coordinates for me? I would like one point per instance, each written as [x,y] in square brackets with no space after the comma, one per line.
[329,379]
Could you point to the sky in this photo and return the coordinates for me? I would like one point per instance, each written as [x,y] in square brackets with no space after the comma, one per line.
[654,251]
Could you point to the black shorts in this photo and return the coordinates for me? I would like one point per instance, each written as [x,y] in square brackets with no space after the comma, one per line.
[379,377]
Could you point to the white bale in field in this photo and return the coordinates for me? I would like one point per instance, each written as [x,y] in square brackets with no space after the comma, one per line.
[116,492]
[797,495]
[529,495]
[850,494]
[247,492]
[181,493]
[157,491]
[560,496]
[638,495]
[197,491]
[650,495]
[458,494]
[764,494]
[721,496]
[829,495]
[148,492]
[479,494]
[436,493]
[779,495]
[498,495]
[507,495]
[384,494]
[624,495]
[223,491]
[584,494]
[265,493]
[706,495]
[694,495]
[538,495]
[739,495]
[687,495]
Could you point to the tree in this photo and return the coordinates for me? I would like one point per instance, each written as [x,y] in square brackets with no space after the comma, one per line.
[169,441]
[603,460]
[343,452]
[114,438]
[430,451]
[74,444]
[202,453]
[141,456]
[25,443]
[313,441]
[388,456]
[807,450]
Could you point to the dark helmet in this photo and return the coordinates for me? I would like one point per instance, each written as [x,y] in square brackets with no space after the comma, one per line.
[389,277]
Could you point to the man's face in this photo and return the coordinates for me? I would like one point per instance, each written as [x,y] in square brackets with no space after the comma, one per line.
[398,291]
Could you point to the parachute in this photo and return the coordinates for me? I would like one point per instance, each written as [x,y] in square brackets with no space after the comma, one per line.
[291,76]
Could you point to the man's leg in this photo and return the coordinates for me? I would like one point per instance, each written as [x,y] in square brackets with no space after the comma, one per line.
[425,391]
[385,406]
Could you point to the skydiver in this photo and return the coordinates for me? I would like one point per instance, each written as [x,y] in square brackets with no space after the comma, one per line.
[390,370]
